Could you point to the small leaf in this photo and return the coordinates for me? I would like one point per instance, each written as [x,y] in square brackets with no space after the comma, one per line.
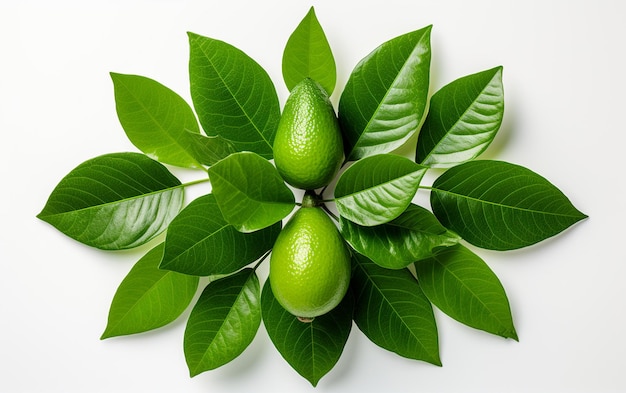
[393,312]
[377,189]
[308,54]
[414,235]
[114,201]
[500,206]
[385,97]
[200,242]
[463,119]
[250,192]
[156,120]
[148,297]
[223,322]
[461,285]
[233,95]
[313,348]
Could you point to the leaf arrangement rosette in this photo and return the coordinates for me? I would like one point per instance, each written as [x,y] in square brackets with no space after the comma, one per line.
[405,258]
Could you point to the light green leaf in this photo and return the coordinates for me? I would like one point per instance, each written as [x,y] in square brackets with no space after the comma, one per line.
[308,54]
[148,297]
[377,189]
[386,95]
[313,348]
[393,312]
[463,119]
[250,192]
[223,322]
[114,201]
[211,149]
[200,242]
[233,95]
[461,285]
[500,206]
[414,235]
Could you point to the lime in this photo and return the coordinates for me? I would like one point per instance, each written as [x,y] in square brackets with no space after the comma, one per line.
[308,147]
[310,264]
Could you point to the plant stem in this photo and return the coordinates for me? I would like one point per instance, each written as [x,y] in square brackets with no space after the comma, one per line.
[199,181]
[331,214]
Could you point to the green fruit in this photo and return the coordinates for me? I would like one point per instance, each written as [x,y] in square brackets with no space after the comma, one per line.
[310,264]
[308,147]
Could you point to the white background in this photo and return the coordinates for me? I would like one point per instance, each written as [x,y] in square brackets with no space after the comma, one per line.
[564,78]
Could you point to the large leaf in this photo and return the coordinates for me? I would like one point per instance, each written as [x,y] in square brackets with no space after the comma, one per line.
[233,95]
[463,119]
[308,54]
[311,348]
[377,189]
[223,322]
[385,97]
[114,201]
[500,206]
[393,312]
[156,120]
[200,242]
[414,235]
[148,297]
[461,285]
[250,192]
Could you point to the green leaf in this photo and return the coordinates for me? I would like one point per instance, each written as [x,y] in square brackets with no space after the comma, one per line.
[148,297]
[414,235]
[377,189]
[500,206]
[210,150]
[233,95]
[463,119]
[385,97]
[250,192]
[308,54]
[223,322]
[114,201]
[200,242]
[311,348]
[393,312]
[156,120]
[461,285]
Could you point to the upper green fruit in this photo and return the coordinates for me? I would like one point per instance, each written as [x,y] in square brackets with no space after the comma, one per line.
[310,264]
[308,147]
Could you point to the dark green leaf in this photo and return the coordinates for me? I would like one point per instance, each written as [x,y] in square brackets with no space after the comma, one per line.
[377,189]
[463,119]
[461,285]
[114,201]
[311,348]
[223,322]
[393,312]
[250,192]
[200,242]
[308,54]
[385,97]
[148,297]
[233,95]
[500,206]
[415,234]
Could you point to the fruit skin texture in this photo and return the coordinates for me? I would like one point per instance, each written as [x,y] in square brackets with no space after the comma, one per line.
[308,146]
[310,264]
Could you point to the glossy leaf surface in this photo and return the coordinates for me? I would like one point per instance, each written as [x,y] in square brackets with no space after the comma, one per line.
[313,348]
[114,201]
[250,192]
[463,119]
[200,242]
[385,97]
[149,297]
[377,189]
[500,206]
[233,95]
[223,322]
[461,285]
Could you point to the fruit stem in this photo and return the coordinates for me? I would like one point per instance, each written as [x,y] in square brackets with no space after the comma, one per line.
[311,199]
